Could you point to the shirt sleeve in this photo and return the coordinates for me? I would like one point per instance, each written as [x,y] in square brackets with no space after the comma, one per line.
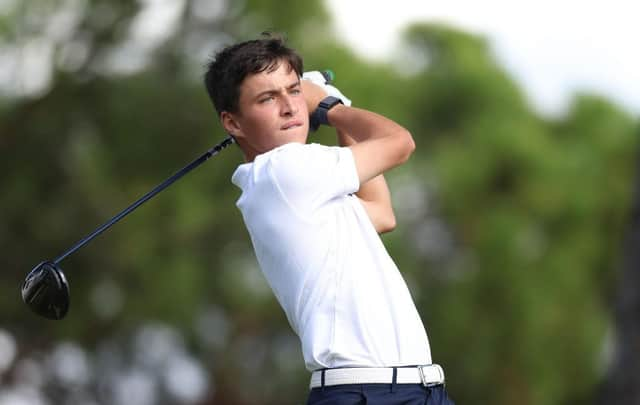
[308,176]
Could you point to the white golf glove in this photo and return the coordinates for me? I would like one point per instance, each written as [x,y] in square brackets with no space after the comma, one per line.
[319,79]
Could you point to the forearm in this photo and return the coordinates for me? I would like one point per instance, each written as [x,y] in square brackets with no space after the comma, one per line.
[380,143]
[374,195]
[363,125]
[373,190]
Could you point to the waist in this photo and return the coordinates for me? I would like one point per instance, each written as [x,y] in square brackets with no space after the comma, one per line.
[427,375]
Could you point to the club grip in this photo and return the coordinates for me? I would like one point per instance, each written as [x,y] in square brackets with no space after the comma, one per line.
[328,75]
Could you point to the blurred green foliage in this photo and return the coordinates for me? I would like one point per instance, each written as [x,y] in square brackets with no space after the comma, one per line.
[510,223]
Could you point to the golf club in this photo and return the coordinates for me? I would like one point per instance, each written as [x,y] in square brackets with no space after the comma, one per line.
[46,290]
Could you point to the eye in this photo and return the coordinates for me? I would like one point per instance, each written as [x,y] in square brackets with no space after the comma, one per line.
[295,91]
[265,99]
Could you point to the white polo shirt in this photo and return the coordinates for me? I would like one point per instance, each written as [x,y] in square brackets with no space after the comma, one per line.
[341,291]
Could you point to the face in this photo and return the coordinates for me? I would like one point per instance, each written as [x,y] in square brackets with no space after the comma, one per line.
[271,112]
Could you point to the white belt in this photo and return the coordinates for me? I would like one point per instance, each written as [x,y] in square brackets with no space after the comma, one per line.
[426,375]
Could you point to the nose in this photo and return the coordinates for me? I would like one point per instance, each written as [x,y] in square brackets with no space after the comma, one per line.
[288,107]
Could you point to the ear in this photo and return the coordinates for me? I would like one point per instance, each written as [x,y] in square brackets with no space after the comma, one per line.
[230,124]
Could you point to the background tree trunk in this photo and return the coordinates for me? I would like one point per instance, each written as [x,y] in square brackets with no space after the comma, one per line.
[622,384]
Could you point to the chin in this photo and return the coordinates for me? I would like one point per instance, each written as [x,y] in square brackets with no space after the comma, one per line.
[299,135]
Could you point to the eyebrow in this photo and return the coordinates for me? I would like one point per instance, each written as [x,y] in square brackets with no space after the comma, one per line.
[274,91]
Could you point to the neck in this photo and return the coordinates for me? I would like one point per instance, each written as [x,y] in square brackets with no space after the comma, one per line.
[248,158]
[250,153]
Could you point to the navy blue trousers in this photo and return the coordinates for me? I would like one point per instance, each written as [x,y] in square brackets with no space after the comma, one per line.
[379,394]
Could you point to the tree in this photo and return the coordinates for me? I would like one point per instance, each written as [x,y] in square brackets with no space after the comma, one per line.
[621,383]
[509,222]
[519,233]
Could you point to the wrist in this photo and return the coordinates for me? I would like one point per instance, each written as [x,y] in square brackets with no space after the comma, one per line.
[320,114]
[335,111]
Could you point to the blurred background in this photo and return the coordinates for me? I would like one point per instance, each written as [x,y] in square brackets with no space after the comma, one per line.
[518,214]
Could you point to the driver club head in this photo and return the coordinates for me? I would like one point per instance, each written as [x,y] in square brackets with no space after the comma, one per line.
[46,291]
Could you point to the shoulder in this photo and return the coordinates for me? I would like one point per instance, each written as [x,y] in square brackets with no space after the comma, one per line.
[295,150]
[309,156]
[315,167]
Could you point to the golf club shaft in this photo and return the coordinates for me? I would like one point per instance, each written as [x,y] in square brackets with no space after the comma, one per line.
[211,152]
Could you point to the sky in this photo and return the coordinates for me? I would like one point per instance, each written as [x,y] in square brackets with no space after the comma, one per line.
[553,48]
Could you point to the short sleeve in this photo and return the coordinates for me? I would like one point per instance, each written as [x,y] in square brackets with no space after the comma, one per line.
[311,175]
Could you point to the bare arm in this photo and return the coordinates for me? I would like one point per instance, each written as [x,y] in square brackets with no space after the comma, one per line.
[374,196]
[381,144]
[377,143]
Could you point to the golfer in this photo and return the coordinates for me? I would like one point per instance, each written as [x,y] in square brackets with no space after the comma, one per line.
[314,213]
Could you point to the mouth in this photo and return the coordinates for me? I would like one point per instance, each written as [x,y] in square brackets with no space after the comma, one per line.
[291,125]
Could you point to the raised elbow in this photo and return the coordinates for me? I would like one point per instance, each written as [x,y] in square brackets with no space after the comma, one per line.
[408,145]
[411,144]
[387,225]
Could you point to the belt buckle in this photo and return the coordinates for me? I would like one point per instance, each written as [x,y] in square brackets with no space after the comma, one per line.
[423,377]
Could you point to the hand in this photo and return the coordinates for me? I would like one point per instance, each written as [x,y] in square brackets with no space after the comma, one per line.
[319,79]
[313,94]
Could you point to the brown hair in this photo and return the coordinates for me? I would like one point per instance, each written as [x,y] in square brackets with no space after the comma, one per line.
[230,66]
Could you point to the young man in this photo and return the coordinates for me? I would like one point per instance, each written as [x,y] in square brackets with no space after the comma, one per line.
[313,213]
